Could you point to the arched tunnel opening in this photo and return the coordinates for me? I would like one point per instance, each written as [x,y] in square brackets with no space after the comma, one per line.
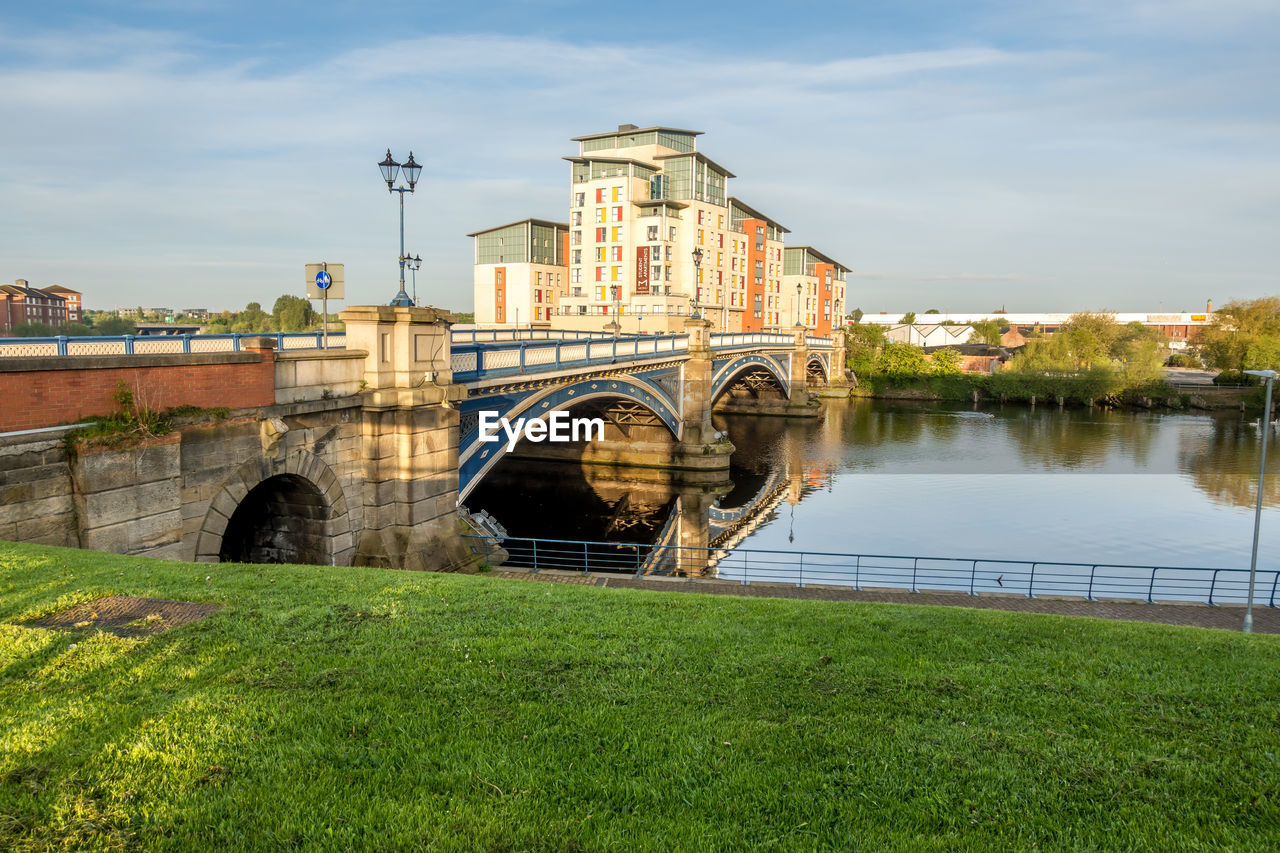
[283,519]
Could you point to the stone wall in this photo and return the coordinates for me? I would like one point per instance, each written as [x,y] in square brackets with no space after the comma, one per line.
[128,500]
[305,375]
[36,503]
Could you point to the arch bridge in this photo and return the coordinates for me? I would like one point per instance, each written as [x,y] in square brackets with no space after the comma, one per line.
[361,455]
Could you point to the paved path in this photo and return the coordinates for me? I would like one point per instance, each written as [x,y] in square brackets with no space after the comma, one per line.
[1266,620]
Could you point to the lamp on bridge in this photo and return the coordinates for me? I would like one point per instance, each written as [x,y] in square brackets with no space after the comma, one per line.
[697,282]
[414,263]
[390,171]
[1265,424]
[798,320]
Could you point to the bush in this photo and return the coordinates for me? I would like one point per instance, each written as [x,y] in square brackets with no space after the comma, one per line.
[1234,379]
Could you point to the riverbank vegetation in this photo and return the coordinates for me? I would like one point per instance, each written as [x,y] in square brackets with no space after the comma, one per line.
[1090,360]
[352,708]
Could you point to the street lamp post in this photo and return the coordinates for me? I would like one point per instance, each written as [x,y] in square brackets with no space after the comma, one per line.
[1270,376]
[617,310]
[697,283]
[390,169]
[798,288]
[414,263]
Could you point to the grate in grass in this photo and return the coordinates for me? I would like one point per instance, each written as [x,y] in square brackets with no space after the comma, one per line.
[127,616]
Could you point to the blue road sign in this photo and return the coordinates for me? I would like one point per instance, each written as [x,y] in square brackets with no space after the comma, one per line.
[323,280]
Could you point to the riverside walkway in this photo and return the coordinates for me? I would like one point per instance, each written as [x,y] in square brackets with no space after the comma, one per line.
[1266,620]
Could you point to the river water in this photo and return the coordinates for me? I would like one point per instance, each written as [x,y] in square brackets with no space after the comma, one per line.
[940,481]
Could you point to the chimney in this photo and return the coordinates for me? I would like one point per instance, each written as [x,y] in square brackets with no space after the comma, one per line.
[622,128]
[1208,308]
[21,282]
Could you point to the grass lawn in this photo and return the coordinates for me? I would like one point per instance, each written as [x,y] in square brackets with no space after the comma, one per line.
[345,709]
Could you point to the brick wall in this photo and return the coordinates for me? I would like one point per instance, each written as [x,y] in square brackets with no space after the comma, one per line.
[41,392]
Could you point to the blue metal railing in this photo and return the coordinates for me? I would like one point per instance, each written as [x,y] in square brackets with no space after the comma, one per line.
[470,362]
[471,336]
[159,344]
[1090,581]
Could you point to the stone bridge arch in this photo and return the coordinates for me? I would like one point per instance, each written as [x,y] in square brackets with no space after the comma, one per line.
[730,373]
[817,368]
[273,510]
[476,459]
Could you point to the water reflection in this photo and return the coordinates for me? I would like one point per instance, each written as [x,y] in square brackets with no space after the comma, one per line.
[909,478]
[1223,462]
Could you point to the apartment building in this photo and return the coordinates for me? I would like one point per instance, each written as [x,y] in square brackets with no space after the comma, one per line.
[520,272]
[817,284]
[75,310]
[652,237]
[20,303]
[757,268]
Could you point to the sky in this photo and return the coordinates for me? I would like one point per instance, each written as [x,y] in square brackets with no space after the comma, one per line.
[1076,155]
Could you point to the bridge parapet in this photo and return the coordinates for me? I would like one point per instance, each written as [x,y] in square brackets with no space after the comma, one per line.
[472,362]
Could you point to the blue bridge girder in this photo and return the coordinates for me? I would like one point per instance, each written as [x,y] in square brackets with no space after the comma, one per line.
[531,374]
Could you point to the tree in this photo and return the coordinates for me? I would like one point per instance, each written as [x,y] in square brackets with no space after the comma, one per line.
[112,325]
[946,362]
[986,331]
[857,315]
[903,360]
[908,318]
[863,342]
[292,314]
[933,311]
[1237,326]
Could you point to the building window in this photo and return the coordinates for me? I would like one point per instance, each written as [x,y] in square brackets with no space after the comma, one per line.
[600,234]
[652,233]
[579,199]
[599,195]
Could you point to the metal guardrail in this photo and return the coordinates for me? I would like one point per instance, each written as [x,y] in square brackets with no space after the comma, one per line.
[470,362]
[160,344]
[1090,581]
[731,340]
[464,336]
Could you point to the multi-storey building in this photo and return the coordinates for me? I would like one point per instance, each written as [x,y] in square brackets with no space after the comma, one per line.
[817,285]
[20,303]
[756,268]
[520,271]
[75,312]
[652,237]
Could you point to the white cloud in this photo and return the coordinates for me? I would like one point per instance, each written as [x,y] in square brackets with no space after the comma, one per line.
[1069,171]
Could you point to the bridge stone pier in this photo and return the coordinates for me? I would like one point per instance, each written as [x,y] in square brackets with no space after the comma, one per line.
[361,455]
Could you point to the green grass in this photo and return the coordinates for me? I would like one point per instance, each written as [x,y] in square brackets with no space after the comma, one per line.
[344,709]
